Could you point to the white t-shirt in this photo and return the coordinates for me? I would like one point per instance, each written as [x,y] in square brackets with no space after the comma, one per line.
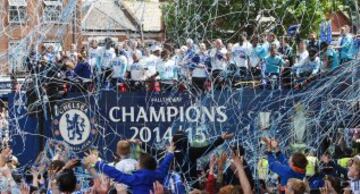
[182,66]
[137,71]
[167,70]
[201,70]
[126,166]
[119,66]
[130,55]
[355,186]
[241,53]
[151,64]
[107,56]
[218,61]
[301,58]
[254,59]
[94,56]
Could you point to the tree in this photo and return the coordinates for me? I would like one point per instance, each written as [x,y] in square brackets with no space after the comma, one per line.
[205,20]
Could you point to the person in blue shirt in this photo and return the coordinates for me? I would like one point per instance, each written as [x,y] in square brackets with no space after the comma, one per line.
[82,68]
[141,181]
[273,63]
[174,183]
[346,44]
[295,167]
[329,57]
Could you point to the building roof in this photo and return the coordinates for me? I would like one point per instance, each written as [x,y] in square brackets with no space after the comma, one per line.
[122,15]
[17,3]
[146,13]
[106,15]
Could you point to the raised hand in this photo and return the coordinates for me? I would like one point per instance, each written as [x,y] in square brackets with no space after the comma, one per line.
[238,161]
[5,155]
[171,148]
[274,145]
[24,188]
[221,161]
[227,136]
[71,164]
[158,188]
[90,159]
[213,160]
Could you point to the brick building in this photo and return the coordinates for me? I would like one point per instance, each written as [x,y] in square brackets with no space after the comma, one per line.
[26,23]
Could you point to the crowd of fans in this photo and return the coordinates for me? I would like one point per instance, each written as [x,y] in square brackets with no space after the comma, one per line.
[135,169]
[132,65]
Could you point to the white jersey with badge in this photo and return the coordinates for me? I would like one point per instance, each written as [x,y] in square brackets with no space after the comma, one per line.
[168,70]
[254,59]
[94,56]
[201,70]
[218,57]
[107,56]
[150,64]
[137,71]
[241,53]
[119,67]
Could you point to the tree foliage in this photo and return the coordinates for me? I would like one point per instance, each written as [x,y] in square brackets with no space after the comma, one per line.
[207,19]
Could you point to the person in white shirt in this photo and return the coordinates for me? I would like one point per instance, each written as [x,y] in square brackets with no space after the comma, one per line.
[94,55]
[151,63]
[119,67]
[241,53]
[167,71]
[354,174]
[272,39]
[302,57]
[218,62]
[200,73]
[73,54]
[107,54]
[124,162]
[131,47]
[137,73]
[254,58]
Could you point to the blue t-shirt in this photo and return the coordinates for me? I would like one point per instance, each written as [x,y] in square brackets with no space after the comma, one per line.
[262,50]
[83,69]
[346,44]
[332,57]
[274,64]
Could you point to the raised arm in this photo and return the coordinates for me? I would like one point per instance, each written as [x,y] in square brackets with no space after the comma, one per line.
[164,166]
[244,181]
[198,152]
[115,174]
[92,161]
[275,165]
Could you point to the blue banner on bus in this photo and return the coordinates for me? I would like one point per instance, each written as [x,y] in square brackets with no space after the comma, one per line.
[83,121]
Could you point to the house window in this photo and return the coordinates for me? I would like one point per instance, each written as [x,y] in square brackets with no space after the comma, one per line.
[17,11]
[52,10]
[16,57]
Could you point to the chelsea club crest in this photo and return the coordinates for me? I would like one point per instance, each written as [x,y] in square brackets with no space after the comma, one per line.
[74,125]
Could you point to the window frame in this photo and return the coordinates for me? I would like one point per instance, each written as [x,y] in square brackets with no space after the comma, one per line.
[19,18]
[52,11]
